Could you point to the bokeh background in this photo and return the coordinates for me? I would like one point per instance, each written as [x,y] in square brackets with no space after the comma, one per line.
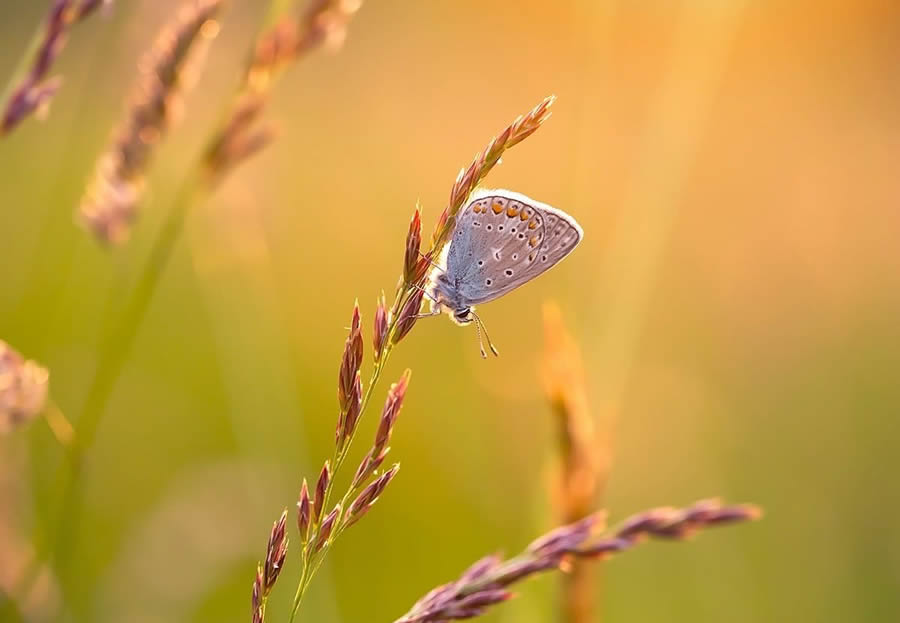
[736,297]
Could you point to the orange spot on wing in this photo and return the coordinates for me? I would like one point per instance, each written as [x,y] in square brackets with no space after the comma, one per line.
[524,216]
[511,211]
[533,241]
[476,209]
[532,225]
[497,207]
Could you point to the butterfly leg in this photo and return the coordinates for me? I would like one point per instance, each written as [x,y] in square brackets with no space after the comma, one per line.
[426,293]
[431,314]
[432,262]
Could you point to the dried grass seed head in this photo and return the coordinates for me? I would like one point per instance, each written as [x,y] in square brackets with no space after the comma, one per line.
[413,242]
[304,512]
[23,388]
[256,597]
[390,412]
[324,22]
[34,92]
[365,500]
[467,180]
[482,584]
[408,315]
[276,551]
[379,333]
[351,360]
[321,488]
[109,207]
[326,529]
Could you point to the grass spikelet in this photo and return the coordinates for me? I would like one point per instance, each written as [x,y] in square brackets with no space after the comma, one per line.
[323,23]
[361,505]
[411,258]
[325,529]
[304,513]
[349,382]
[267,573]
[469,178]
[380,330]
[34,91]
[323,484]
[23,388]
[486,582]
[409,314]
[391,325]
[109,207]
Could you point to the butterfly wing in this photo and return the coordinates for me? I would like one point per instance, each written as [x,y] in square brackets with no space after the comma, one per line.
[503,240]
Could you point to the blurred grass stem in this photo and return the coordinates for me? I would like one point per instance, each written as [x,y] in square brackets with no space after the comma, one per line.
[114,353]
[196,186]
[59,424]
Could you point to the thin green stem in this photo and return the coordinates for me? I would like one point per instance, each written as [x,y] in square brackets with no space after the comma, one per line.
[59,424]
[115,351]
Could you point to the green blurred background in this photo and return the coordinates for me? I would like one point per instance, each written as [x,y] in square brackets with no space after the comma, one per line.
[737,295]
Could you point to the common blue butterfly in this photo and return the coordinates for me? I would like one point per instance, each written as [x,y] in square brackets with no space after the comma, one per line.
[501,240]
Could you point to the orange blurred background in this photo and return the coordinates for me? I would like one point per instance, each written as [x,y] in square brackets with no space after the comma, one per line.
[736,297]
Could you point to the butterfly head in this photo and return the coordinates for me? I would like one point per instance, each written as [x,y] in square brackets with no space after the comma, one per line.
[445,298]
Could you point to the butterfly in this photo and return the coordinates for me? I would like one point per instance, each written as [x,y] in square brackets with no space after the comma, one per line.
[501,240]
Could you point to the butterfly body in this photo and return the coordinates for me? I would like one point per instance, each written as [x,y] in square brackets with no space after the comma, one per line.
[501,241]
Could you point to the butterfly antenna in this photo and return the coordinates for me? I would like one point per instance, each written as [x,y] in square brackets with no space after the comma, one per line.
[479,326]
[480,343]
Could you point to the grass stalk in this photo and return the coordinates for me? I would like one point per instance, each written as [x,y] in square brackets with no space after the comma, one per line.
[486,583]
[116,347]
[404,312]
[584,457]
[113,354]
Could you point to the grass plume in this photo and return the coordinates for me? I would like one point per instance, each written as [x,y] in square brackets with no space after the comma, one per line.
[487,582]
[319,530]
[468,179]
[23,388]
[267,573]
[34,90]
[322,23]
[109,207]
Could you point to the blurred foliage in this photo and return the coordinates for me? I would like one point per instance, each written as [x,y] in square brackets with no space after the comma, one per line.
[736,297]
